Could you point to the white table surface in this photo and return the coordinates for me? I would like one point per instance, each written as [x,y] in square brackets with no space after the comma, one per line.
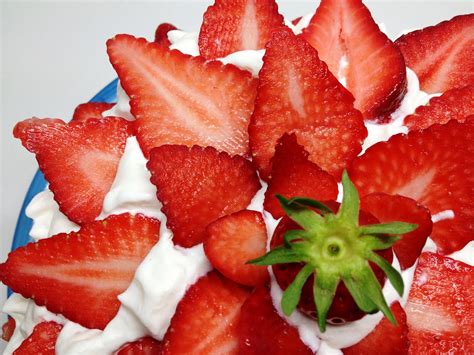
[53,58]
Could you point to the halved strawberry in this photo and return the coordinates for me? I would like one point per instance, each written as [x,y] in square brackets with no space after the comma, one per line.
[433,167]
[344,31]
[455,104]
[231,26]
[179,99]
[143,346]
[206,318]
[440,308]
[441,55]
[199,185]
[42,341]
[297,94]
[262,331]
[161,34]
[80,274]
[293,174]
[386,338]
[388,208]
[79,159]
[90,110]
[232,241]
[8,328]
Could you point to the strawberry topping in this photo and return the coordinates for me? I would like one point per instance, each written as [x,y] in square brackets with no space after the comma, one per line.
[81,274]
[179,99]
[231,26]
[161,34]
[8,328]
[433,167]
[374,69]
[441,55]
[206,319]
[42,341]
[297,94]
[199,185]
[440,307]
[293,174]
[90,110]
[144,346]
[79,159]
[232,241]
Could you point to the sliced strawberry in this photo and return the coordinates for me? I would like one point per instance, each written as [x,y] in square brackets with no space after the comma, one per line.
[8,328]
[90,110]
[206,318]
[293,174]
[79,159]
[179,99]
[441,55]
[232,241]
[42,341]
[199,185]
[262,331]
[433,167]
[296,20]
[375,70]
[80,274]
[161,34]
[440,308]
[144,346]
[455,104]
[387,338]
[297,94]
[389,208]
[231,26]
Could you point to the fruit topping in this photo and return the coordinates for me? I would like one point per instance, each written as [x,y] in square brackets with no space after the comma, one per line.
[8,328]
[42,341]
[161,34]
[90,110]
[144,346]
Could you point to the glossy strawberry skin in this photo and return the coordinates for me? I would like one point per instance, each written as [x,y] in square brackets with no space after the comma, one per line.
[8,328]
[143,346]
[90,110]
[161,34]
[41,341]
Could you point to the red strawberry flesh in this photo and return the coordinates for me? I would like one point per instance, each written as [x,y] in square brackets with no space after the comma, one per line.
[42,341]
[144,346]
[90,110]
[161,34]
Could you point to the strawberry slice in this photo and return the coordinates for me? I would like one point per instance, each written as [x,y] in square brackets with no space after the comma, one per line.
[79,159]
[80,274]
[144,346]
[262,331]
[293,174]
[8,328]
[440,308]
[41,341]
[232,241]
[441,55]
[350,42]
[231,26]
[161,34]
[199,185]
[179,99]
[297,94]
[387,208]
[433,167]
[455,104]
[90,110]
[206,318]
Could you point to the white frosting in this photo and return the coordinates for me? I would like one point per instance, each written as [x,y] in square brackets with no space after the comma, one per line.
[441,216]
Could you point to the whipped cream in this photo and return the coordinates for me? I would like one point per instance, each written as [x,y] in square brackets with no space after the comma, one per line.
[122,107]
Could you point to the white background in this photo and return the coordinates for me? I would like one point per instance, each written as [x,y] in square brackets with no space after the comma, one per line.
[53,58]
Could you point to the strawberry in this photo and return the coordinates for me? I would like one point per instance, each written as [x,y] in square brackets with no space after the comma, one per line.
[441,55]
[262,331]
[293,174]
[231,26]
[296,20]
[161,34]
[232,241]
[143,346]
[179,99]
[80,274]
[399,208]
[455,104]
[199,185]
[297,94]
[206,318]
[387,338]
[433,167]
[8,328]
[440,308]
[79,159]
[375,73]
[90,110]
[42,341]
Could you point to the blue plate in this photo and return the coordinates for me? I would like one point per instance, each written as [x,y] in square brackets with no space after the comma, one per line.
[24,224]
